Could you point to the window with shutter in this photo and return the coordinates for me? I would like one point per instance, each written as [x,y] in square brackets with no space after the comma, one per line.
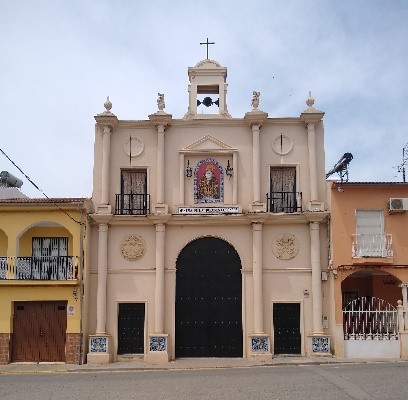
[370,237]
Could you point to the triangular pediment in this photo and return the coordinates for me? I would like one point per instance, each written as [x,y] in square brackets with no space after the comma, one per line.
[208,142]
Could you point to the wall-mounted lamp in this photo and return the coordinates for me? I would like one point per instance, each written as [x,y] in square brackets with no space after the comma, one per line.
[229,170]
[189,171]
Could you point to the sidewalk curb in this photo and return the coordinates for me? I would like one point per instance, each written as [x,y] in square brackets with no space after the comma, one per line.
[190,365]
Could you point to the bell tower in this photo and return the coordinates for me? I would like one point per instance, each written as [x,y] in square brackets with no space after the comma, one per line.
[207,91]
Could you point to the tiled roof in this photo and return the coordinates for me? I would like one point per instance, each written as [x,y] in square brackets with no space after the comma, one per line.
[370,183]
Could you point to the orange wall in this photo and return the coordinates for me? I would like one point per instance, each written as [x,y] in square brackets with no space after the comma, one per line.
[343,207]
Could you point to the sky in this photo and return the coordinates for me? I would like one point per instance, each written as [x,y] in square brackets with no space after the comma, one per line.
[61,58]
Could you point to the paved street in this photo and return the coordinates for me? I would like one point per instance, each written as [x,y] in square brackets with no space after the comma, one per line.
[385,380]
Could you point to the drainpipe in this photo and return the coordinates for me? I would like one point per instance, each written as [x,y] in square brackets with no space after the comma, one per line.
[81,290]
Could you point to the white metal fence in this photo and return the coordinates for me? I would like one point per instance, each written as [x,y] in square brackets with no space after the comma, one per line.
[370,318]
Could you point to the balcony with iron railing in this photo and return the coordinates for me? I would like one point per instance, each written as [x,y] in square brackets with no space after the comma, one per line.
[284,202]
[132,204]
[372,245]
[52,268]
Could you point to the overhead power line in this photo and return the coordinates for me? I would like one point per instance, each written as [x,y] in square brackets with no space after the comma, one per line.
[40,190]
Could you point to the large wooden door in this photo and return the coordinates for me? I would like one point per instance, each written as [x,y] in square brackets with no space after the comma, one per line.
[286,326]
[39,331]
[208,300]
[131,322]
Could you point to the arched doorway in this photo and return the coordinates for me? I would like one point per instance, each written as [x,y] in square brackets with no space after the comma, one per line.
[370,323]
[370,282]
[208,300]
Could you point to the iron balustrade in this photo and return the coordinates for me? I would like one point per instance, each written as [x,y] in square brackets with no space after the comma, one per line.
[372,245]
[49,268]
[132,204]
[284,202]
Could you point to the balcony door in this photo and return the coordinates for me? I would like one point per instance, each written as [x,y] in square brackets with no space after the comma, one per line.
[49,258]
[370,233]
[283,190]
[133,191]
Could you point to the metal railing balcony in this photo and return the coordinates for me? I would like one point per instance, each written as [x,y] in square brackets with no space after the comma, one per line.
[372,245]
[284,202]
[52,268]
[132,204]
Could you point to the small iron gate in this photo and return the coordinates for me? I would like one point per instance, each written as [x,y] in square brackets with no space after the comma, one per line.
[370,327]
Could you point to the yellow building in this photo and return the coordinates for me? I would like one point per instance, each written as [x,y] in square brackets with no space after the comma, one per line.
[42,279]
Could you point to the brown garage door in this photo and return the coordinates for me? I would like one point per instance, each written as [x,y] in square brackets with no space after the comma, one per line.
[39,329]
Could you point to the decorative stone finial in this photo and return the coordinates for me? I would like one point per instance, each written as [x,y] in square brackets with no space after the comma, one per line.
[255,99]
[310,101]
[107,105]
[160,102]
[311,115]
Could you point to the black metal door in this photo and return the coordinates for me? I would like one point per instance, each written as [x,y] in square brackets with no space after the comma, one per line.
[286,324]
[131,321]
[208,300]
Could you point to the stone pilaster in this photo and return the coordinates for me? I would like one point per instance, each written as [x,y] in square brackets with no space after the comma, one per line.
[100,343]
[158,345]
[318,343]
[259,342]
[255,119]
[161,120]
[106,122]
[311,117]
[257,277]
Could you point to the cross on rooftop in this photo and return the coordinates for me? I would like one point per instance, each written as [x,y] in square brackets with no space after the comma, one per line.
[207,43]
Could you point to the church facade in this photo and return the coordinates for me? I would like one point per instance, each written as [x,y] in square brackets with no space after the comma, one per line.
[209,235]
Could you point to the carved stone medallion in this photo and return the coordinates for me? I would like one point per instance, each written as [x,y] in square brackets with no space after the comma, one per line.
[133,247]
[282,144]
[133,147]
[285,246]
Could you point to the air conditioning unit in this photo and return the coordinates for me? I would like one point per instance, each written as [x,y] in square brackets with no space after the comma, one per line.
[398,205]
